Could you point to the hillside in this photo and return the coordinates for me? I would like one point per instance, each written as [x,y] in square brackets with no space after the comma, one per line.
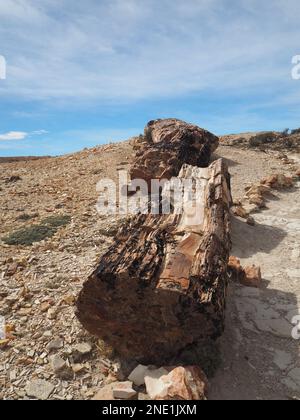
[39,282]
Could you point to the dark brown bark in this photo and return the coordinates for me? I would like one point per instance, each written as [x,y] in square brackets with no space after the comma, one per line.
[167,145]
[162,285]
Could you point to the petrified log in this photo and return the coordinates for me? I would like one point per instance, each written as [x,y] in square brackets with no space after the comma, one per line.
[167,145]
[162,285]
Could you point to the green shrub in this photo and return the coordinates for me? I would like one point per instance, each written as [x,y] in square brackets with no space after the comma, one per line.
[56,221]
[28,236]
[296,131]
[262,138]
[37,233]
[25,217]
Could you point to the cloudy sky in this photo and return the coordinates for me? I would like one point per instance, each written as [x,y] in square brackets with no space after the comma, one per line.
[85,73]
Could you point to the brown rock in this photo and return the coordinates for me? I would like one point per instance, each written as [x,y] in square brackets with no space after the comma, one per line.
[252,277]
[298,173]
[235,270]
[285,181]
[278,181]
[258,200]
[105,393]
[12,269]
[257,190]
[240,211]
[182,383]
[45,306]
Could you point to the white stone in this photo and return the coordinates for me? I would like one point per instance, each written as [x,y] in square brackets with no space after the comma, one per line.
[39,389]
[124,391]
[137,376]
[153,385]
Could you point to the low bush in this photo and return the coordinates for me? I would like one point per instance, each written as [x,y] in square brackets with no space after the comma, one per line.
[37,233]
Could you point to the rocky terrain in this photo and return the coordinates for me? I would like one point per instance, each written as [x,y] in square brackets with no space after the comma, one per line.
[48,354]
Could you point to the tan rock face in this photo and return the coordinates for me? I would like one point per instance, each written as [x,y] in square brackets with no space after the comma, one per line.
[182,383]
[167,145]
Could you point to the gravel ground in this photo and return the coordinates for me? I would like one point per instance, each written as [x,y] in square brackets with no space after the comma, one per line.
[52,357]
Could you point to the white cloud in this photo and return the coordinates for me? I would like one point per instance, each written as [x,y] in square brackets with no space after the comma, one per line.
[38,132]
[130,50]
[20,135]
[13,135]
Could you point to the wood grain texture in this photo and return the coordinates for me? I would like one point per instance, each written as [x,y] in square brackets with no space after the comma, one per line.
[162,285]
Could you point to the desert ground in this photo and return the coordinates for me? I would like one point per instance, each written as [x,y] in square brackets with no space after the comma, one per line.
[40,282]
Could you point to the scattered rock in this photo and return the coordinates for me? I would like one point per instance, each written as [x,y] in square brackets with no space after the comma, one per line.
[137,376]
[60,368]
[258,200]
[240,211]
[52,313]
[249,276]
[81,350]
[45,306]
[39,389]
[182,383]
[252,277]
[258,190]
[235,270]
[55,345]
[278,181]
[143,397]
[69,300]
[106,393]
[12,269]
[78,368]
[124,391]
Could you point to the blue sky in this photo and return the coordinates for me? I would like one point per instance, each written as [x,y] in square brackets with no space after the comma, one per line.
[86,73]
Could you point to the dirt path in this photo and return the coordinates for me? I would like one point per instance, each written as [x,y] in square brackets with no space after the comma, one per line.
[260,357]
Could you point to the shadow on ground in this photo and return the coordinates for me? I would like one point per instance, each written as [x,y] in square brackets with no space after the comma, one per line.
[248,240]
[260,359]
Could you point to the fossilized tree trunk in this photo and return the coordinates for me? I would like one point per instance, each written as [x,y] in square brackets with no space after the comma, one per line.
[162,285]
[167,145]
